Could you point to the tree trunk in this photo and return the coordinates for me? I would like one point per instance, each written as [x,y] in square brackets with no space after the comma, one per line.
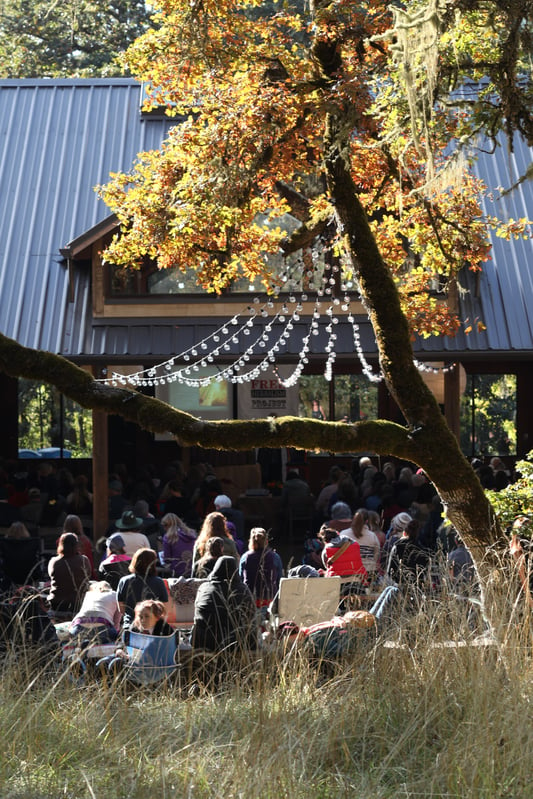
[435,448]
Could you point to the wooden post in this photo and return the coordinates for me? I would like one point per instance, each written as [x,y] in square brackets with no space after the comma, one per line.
[100,474]
[452,396]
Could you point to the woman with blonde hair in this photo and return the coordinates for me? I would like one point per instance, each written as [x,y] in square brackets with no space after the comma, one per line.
[99,614]
[178,545]
[214,526]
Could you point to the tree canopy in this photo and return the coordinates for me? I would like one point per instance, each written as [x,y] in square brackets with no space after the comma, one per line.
[258,83]
[71,38]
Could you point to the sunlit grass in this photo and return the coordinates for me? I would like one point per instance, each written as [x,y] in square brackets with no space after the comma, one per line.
[399,721]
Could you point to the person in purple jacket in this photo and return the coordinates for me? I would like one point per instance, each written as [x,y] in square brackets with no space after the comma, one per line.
[261,568]
[178,544]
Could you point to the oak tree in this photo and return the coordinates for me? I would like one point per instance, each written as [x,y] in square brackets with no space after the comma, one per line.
[341,114]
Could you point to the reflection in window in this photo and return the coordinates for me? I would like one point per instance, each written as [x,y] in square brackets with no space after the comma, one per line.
[488,415]
[172,281]
[356,398]
[47,419]
[313,400]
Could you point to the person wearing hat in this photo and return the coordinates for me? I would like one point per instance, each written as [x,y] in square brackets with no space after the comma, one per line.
[129,525]
[116,563]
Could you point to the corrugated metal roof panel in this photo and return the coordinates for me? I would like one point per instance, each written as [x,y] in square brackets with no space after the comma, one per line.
[58,139]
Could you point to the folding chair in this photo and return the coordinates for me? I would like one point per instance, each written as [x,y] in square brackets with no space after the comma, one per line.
[151,657]
[308,600]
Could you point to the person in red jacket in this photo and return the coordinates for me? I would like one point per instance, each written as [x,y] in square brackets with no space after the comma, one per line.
[341,556]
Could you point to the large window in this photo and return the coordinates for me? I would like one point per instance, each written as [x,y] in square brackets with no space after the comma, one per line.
[49,421]
[354,398]
[488,415]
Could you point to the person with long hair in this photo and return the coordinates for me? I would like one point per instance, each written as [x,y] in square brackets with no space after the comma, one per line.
[214,526]
[214,549]
[73,524]
[80,499]
[367,540]
[149,618]
[17,530]
[261,568]
[178,545]
[69,573]
[142,583]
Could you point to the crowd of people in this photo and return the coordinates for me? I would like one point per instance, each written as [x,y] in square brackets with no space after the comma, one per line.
[380,530]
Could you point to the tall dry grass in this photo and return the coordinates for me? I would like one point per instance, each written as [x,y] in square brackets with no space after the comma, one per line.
[405,720]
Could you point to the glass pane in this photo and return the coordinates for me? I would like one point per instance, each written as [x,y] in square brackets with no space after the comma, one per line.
[47,422]
[172,281]
[488,415]
[356,398]
[304,269]
[313,397]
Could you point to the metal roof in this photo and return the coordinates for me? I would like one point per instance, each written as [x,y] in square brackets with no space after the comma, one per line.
[60,138]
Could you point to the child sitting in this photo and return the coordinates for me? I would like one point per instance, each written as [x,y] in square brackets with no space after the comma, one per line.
[149,620]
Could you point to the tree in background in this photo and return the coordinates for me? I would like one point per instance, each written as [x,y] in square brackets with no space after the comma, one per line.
[71,38]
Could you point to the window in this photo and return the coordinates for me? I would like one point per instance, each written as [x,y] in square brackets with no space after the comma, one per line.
[47,420]
[355,397]
[488,415]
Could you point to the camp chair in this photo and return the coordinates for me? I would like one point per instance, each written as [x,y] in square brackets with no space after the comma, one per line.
[151,657]
[308,600]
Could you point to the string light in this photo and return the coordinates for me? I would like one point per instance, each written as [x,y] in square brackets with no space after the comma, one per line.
[266,345]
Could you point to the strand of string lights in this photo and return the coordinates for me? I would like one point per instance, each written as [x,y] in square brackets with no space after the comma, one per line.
[203,355]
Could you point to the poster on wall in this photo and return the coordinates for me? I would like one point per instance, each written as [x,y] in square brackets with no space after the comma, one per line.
[267,396]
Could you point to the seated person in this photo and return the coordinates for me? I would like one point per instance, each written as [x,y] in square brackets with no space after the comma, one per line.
[261,568]
[461,570]
[130,527]
[20,556]
[148,619]
[142,583]
[520,548]
[69,574]
[224,610]
[224,505]
[341,556]
[178,545]
[99,607]
[408,562]
[214,549]
[116,563]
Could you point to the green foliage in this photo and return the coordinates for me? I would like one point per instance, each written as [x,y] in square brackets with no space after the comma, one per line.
[46,420]
[74,38]
[517,498]
[488,415]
